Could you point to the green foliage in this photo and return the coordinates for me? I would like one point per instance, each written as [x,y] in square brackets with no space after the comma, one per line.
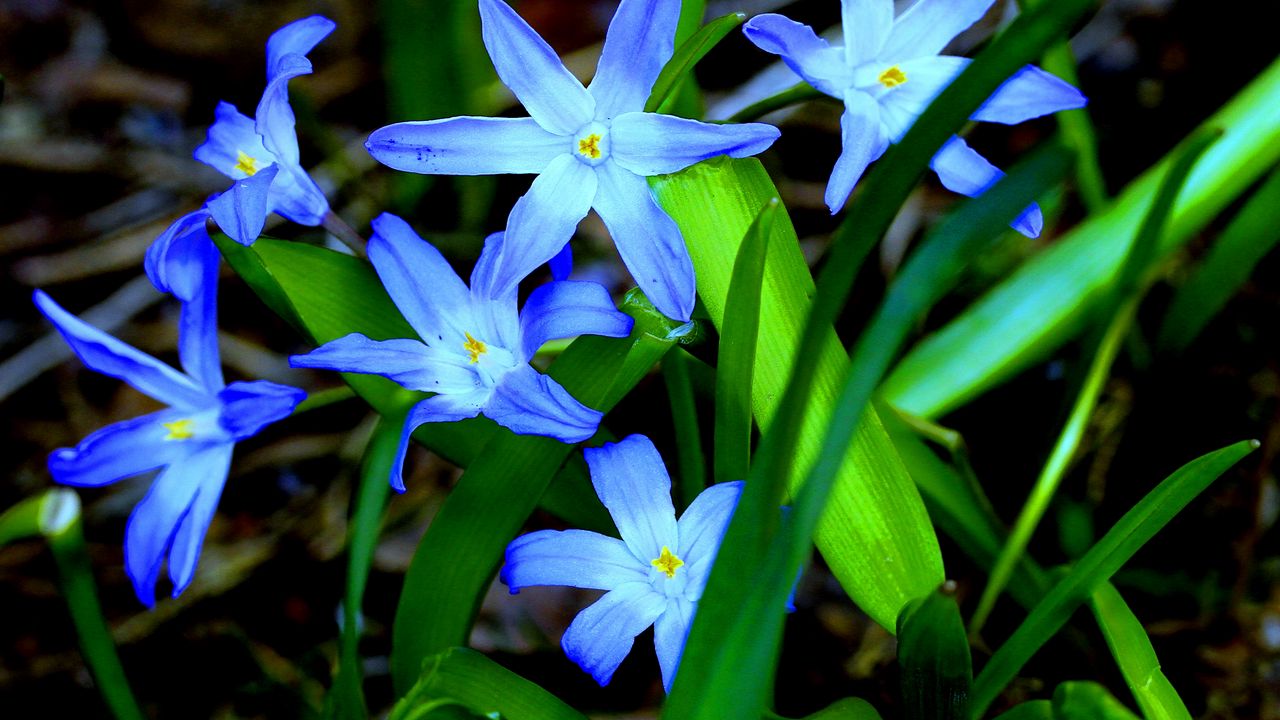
[1087,701]
[936,670]
[462,677]
[1132,650]
[680,67]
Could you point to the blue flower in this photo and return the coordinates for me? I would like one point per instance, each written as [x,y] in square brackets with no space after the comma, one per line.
[887,73]
[654,575]
[190,441]
[475,347]
[591,147]
[262,155]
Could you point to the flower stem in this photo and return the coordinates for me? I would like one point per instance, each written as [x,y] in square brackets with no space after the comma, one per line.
[344,232]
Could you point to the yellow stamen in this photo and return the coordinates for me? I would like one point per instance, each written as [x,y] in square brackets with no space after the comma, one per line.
[475,347]
[245,163]
[893,77]
[667,562]
[180,429]
[590,146]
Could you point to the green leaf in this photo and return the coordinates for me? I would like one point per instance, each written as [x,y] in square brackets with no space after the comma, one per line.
[690,52]
[1088,701]
[21,520]
[691,463]
[843,709]
[737,353]
[1046,302]
[936,670]
[456,560]
[798,93]
[459,676]
[1030,710]
[1252,234]
[1124,539]
[1132,650]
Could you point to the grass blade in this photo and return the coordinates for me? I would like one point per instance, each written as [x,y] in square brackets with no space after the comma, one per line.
[844,709]
[1087,701]
[465,677]
[933,654]
[1132,650]
[692,463]
[690,52]
[1124,539]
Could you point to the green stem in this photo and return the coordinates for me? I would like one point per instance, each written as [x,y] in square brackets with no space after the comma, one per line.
[793,95]
[684,417]
[325,398]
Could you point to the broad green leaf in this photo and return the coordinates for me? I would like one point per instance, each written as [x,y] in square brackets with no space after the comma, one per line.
[457,558]
[1088,701]
[1132,650]
[844,709]
[690,52]
[1252,234]
[691,461]
[459,676]
[935,668]
[1045,303]
[1030,710]
[737,352]
[1124,539]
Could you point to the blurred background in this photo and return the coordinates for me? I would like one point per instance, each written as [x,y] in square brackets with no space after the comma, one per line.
[103,105]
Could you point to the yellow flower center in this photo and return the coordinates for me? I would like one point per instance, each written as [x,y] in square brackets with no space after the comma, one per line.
[180,429]
[590,146]
[475,348]
[667,562]
[893,77]
[245,163]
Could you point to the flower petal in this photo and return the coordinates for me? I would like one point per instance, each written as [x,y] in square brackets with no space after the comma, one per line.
[498,315]
[562,263]
[808,55]
[648,240]
[248,407]
[467,146]
[670,631]
[241,211]
[184,261]
[154,522]
[229,137]
[533,71]
[864,139]
[1030,93]
[102,353]
[421,282]
[568,309]
[408,362]
[119,451]
[296,38]
[274,118]
[961,169]
[440,408]
[640,40]
[529,403]
[634,486]
[600,637]
[575,558]
[926,78]
[212,465]
[652,144]
[703,523]
[544,218]
[926,27]
[866,25]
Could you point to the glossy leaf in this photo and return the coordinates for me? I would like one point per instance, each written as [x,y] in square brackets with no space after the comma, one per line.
[690,52]
[1132,650]
[936,670]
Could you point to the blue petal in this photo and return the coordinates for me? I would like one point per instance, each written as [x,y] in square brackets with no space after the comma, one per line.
[602,635]
[119,451]
[963,170]
[296,38]
[808,55]
[421,282]
[296,197]
[633,484]
[274,118]
[864,140]
[567,309]
[703,523]
[1030,93]
[107,355]
[242,210]
[926,27]
[408,362]
[575,558]
[231,135]
[544,219]
[467,146]
[640,40]
[533,71]
[926,78]
[494,308]
[562,263]
[648,240]
[527,402]
[866,25]
[189,538]
[247,407]
[440,408]
[652,144]
[670,632]
[184,261]
[154,523]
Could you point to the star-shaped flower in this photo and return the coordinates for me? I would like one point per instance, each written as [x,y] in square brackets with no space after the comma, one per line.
[590,147]
[190,441]
[654,575]
[475,345]
[262,155]
[889,71]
